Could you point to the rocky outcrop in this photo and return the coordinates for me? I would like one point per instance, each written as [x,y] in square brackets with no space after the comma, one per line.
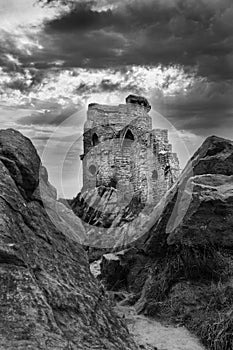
[198,210]
[49,299]
[191,222]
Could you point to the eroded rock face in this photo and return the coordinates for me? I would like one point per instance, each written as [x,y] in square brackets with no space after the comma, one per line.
[49,299]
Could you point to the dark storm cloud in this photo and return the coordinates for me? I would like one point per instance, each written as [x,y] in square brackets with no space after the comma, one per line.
[9,46]
[195,34]
[192,33]
[82,17]
[22,80]
[18,64]
[207,106]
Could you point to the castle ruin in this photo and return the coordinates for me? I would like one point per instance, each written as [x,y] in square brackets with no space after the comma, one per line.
[122,151]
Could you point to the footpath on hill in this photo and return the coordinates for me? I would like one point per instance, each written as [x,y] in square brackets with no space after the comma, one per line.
[151,334]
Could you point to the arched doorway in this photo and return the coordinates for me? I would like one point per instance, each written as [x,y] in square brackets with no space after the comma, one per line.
[128,139]
[129,135]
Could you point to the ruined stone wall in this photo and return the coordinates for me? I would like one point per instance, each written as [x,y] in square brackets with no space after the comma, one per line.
[122,151]
[119,116]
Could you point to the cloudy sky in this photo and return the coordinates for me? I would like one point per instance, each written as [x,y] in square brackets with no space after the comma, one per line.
[58,56]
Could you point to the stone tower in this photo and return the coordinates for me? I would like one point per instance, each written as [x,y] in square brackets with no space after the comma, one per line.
[121,151]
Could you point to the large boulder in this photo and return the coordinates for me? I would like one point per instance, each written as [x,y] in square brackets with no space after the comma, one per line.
[49,299]
[198,209]
[209,217]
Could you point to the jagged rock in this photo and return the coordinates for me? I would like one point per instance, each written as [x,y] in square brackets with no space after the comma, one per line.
[49,299]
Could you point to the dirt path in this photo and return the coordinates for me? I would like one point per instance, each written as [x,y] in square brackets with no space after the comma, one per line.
[152,334]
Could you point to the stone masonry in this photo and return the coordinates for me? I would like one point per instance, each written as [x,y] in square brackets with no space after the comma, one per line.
[123,152]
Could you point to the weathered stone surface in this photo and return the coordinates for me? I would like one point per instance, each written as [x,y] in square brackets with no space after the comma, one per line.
[49,299]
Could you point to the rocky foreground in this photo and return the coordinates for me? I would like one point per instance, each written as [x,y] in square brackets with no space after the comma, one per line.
[181,270]
[49,299]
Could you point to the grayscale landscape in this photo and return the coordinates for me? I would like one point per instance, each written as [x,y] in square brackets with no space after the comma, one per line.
[116,186]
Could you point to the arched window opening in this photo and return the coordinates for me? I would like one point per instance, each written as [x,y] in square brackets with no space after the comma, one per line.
[129,135]
[167,171]
[128,139]
[92,169]
[155,175]
[95,140]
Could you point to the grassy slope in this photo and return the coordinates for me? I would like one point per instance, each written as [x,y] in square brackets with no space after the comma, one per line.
[193,286]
